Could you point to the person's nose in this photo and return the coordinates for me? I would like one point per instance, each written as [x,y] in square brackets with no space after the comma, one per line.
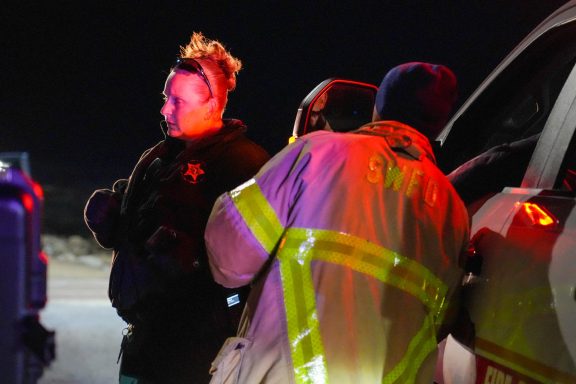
[166,109]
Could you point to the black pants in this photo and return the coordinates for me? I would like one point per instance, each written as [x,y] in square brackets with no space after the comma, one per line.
[159,353]
[175,339]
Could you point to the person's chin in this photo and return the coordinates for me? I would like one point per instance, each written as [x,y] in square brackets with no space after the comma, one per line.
[174,132]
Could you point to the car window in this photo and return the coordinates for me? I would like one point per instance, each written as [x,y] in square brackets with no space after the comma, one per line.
[337,105]
[348,107]
[566,180]
[516,105]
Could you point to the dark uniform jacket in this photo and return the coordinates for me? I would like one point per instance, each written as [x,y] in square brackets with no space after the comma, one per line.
[154,222]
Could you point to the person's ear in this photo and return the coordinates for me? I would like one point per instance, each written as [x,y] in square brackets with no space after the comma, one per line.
[211,109]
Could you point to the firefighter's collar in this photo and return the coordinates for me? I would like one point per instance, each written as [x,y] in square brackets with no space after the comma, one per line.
[400,136]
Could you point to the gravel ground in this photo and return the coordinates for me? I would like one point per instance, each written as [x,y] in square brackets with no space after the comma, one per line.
[76,248]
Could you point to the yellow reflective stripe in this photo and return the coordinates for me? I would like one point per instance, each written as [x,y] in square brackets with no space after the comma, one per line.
[300,246]
[300,305]
[371,259]
[302,324]
[419,348]
[258,214]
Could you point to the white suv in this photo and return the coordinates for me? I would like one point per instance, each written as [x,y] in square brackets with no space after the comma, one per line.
[518,129]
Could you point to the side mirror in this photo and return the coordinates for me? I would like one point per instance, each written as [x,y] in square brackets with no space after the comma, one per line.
[335,105]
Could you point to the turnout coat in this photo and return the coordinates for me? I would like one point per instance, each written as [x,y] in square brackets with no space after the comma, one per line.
[352,244]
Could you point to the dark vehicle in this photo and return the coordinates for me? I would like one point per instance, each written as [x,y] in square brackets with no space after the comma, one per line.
[25,345]
[512,144]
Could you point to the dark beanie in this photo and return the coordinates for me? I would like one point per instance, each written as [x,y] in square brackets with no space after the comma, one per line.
[418,94]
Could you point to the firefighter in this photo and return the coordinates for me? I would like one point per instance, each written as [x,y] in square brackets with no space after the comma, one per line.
[351,242]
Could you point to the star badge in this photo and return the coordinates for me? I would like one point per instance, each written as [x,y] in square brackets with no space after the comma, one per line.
[192,172]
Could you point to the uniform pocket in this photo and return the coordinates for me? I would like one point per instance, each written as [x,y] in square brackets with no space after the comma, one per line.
[225,368]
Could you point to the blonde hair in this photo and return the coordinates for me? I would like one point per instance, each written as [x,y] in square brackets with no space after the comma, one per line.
[218,64]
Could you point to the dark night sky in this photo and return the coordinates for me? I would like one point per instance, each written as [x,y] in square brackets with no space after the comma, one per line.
[81,80]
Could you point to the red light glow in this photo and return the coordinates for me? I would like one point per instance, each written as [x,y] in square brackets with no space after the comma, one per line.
[537,215]
[28,202]
[38,190]
[43,257]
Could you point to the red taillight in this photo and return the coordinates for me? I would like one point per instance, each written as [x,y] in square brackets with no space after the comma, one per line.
[43,257]
[38,190]
[538,215]
[28,202]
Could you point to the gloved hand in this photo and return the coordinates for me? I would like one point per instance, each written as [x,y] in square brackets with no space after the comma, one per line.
[101,215]
[172,252]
